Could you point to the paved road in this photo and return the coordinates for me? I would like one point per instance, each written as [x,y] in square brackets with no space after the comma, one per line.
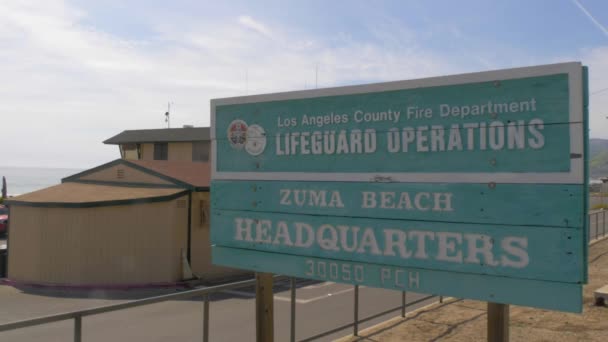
[320,307]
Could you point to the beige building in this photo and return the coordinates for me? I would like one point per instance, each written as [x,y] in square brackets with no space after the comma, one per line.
[191,144]
[125,223]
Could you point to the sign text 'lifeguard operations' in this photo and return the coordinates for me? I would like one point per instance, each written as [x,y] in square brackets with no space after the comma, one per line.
[470,186]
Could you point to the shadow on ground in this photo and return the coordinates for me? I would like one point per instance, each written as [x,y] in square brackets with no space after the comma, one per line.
[281,285]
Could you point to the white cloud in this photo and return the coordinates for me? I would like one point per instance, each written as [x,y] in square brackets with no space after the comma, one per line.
[68,86]
[258,27]
[597,61]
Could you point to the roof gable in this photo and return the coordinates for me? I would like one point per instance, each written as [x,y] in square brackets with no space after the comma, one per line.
[197,174]
[121,173]
[152,173]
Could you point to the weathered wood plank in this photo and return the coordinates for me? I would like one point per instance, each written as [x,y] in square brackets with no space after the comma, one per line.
[284,152]
[492,166]
[541,294]
[513,251]
[510,204]
[524,125]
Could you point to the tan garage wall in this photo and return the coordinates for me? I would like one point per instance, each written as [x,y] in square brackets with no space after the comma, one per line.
[201,243]
[128,244]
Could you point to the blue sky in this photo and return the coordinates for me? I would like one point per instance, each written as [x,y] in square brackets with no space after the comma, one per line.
[78,72]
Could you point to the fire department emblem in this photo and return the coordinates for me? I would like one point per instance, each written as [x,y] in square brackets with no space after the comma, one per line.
[256,140]
[237,133]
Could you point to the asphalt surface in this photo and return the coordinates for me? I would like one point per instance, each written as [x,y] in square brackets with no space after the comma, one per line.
[320,307]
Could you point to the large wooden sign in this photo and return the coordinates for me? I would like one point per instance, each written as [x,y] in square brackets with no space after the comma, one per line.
[471,186]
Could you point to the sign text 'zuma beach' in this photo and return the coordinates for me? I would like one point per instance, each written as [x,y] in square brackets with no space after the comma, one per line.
[471,186]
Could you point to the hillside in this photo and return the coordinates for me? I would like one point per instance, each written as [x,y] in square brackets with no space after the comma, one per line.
[598,158]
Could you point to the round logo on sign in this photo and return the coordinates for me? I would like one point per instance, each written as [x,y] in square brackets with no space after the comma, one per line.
[237,134]
[256,140]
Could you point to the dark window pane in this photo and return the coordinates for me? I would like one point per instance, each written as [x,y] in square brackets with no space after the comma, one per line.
[200,151]
[161,151]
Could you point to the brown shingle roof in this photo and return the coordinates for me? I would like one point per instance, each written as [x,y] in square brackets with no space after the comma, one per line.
[83,194]
[195,174]
[160,135]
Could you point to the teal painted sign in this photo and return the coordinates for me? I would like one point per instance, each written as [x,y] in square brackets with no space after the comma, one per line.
[474,183]
[443,202]
[514,251]
[557,296]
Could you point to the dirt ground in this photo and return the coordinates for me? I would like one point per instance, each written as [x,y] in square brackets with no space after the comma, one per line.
[466,320]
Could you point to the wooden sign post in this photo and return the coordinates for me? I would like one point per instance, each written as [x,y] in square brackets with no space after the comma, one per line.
[264,308]
[498,322]
[471,186]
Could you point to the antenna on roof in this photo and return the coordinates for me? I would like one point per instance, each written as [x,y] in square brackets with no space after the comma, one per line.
[167,115]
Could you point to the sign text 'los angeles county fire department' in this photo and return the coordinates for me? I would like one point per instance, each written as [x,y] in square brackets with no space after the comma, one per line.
[471,186]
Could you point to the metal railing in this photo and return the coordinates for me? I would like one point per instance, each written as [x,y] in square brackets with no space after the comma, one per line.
[597,229]
[357,320]
[78,315]
[594,233]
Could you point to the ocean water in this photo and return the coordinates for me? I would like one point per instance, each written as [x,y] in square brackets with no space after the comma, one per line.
[21,180]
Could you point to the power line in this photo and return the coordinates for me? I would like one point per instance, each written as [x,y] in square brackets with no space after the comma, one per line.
[599,91]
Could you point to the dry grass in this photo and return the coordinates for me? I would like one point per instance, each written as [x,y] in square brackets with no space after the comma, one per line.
[465,320]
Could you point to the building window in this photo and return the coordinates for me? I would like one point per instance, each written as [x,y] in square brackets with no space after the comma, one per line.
[200,151]
[161,151]
[130,151]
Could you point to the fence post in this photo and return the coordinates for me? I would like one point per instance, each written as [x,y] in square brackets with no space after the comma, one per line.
[78,329]
[293,310]
[604,224]
[206,318]
[597,224]
[589,232]
[403,299]
[356,323]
